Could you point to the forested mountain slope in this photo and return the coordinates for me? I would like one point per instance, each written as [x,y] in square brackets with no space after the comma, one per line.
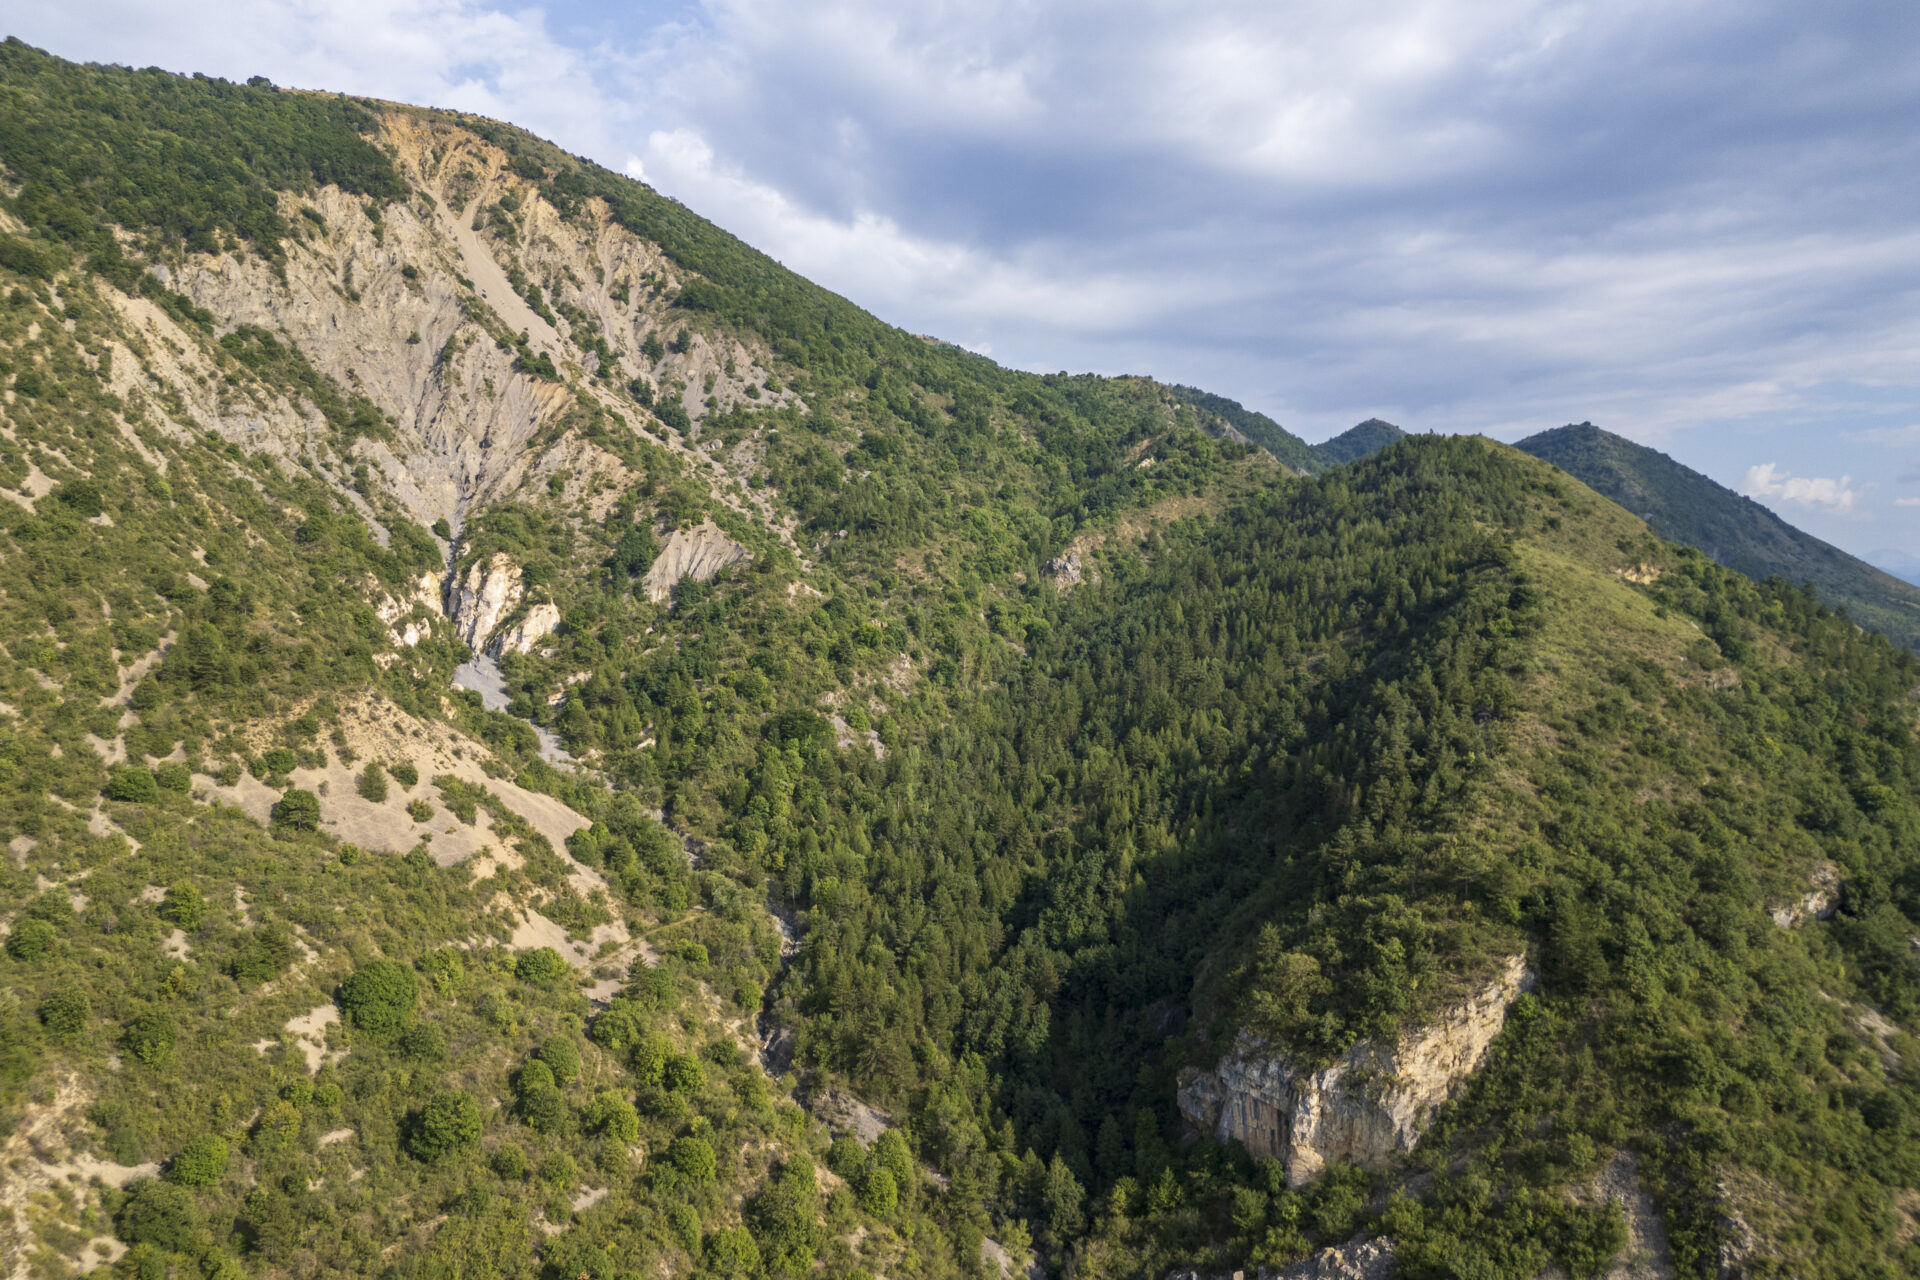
[1358,441]
[1308,459]
[1680,503]
[905,778]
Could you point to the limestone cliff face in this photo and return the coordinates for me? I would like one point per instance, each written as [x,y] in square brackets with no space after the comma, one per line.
[697,553]
[481,600]
[1367,1107]
[536,625]
[485,607]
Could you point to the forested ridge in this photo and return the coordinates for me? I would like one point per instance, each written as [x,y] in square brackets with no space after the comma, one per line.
[1040,745]
[1680,503]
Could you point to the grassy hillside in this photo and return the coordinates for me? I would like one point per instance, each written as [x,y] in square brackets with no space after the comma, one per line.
[1681,504]
[1036,744]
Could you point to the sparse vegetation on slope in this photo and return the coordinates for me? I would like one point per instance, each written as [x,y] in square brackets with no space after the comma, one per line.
[1681,504]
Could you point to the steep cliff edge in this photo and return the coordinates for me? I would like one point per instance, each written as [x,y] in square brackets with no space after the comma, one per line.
[484,604]
[1368,1106]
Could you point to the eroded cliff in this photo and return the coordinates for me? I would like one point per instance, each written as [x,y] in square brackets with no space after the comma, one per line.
[1368,1106]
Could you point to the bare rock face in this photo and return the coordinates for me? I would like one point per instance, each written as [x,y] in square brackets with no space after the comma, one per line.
[479,602]
[520,637]
[484,604]
[1354,1260]
[1357,1259]
[1369,1106]
[1066,571]
[1822,896]
[696,553]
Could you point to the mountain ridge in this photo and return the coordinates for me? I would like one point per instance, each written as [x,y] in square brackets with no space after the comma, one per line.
[1682,504]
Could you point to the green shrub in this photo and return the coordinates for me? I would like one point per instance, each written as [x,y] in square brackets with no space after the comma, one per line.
[30,939]
[562,1056]
[173,776]
[373,783]
[448,1124]
[150,1037]
[419,811]
[612,1115]
[615,1030]
[160,1214]
[445,970]
[183,906]
[534,1075]
[278,761]
[379,997]
[542,964]
[64,1013]
[544,1108]
[847,1158]
[693,1159]
[201,1163]
[684,1074]
[879,1193]
[890,1152]
[509,1162]
[263,954]
[732,1253]
[558,1172]
[297,810]
[405,774]
[131,786]
[422,1042]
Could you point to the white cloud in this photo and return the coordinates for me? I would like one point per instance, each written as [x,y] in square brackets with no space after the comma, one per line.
[1887,435]
[1906,502]
[1766,481]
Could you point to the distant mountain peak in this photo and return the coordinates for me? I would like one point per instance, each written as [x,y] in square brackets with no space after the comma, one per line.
[1680,503]
[1358,441]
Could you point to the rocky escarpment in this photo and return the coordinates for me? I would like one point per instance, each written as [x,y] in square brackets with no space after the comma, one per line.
[696,553]
[1368,1106]
[415,306]
[485,608]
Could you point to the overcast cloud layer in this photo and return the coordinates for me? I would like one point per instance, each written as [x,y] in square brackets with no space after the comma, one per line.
[1690,222]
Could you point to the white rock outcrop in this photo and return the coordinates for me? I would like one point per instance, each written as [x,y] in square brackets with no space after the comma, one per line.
[1368,1106]
[480,601]
[520,636]
[696,553]
[1361,1258]
[397,612]
[483,605]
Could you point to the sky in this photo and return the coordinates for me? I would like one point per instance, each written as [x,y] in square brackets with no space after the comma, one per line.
[1693,222]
